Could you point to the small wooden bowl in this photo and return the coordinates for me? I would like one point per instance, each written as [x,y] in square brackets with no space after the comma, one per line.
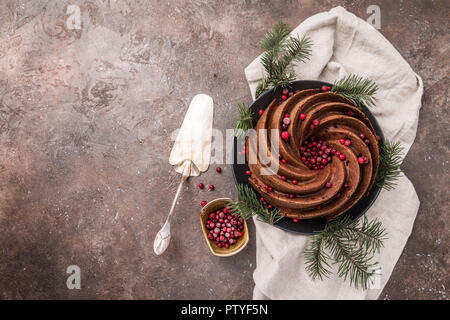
[213,206]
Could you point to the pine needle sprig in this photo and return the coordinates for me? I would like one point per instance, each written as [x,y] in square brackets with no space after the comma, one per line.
[249,205]
[351,245]
[281,53]
[262,87]
[357,89]
[354,262]
[274,38]
[390,161]
[295,50]
[245,121]
[370,235]
[318,266]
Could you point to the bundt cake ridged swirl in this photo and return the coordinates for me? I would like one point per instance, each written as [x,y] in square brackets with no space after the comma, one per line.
[328,155]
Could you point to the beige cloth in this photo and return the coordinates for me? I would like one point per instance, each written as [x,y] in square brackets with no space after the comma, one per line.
[345,44]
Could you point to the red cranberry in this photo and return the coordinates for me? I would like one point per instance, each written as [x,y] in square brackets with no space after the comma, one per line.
[283,160]
[315,122]
[362,136]
[248,172]
[342,156]
[302,116]
[367,141]
[285,91]
[261,199]
[261,111]
[283,97]
[348,142]
[324,88]
[201,185]
[294,181]
[269,206]
[203,203]
[212,215]
[211,187]
[285,135]
[218,169]
[295,220]
[360,160]
[341,141]
[283,178]
[328,185]
[350,113]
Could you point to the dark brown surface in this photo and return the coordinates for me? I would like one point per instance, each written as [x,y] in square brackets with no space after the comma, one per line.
[85,121]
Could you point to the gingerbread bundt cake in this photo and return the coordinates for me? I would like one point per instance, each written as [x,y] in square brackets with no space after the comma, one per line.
[328,155]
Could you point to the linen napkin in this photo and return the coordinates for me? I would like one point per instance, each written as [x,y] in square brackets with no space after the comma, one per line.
[344,44]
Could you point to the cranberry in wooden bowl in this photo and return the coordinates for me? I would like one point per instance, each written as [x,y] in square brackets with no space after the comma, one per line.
[224,233]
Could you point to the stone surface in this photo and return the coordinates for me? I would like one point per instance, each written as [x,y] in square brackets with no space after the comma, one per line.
[85,122]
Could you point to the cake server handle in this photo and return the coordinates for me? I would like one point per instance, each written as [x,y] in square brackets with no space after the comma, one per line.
[162,238]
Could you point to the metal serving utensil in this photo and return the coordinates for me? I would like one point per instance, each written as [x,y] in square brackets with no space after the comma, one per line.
[190,154]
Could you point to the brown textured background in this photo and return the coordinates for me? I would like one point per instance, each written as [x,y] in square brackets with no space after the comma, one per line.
[85,120]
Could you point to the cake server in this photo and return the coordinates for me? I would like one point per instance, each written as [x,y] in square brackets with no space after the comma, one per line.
[190,154]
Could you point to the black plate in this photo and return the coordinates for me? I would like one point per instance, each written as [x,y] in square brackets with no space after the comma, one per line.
[307,226]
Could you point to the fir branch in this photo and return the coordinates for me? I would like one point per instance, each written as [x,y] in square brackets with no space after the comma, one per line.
[316,258]
[295,50]
[245,121]
[249,205]
[357,89]
[370,235]
[280,55]
[350,244]
[354,262]
[390,161]
[262,87]
[274,38]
